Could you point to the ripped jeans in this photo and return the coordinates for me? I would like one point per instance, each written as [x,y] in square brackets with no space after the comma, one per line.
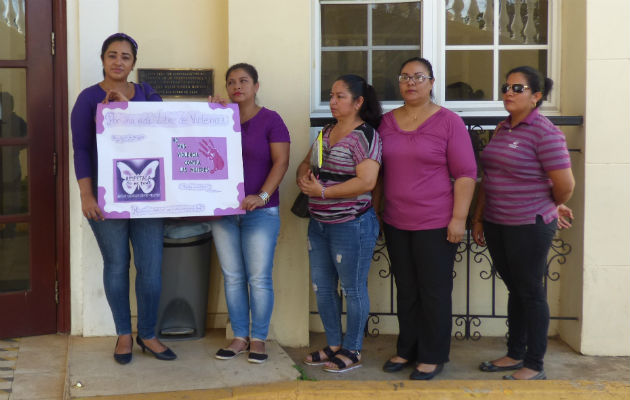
[343,252]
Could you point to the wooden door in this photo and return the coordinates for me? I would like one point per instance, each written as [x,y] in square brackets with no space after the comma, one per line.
[27,170]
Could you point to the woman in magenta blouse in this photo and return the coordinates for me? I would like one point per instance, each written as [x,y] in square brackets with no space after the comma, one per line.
[527,178]
[428,180]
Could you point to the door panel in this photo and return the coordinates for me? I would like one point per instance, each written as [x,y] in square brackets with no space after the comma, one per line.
[27,189]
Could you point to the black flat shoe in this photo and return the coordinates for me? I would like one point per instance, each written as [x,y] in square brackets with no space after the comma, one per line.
[488,366]
[228,354]
[257,358]
[391,366]
[425,376]
[541,376]
[123,358]
[166,355]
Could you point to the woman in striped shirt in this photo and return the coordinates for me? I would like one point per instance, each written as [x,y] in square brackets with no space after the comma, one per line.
[527,179]
[343,227]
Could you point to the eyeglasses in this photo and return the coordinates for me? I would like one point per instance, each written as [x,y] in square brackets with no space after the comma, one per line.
[417,78]
[516,88]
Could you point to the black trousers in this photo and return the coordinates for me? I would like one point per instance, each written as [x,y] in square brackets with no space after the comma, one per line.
[519,255]
[422,264]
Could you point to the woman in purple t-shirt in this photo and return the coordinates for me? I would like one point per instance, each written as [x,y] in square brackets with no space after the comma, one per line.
[246,243]
[118,55]
[428,180]
[527,179]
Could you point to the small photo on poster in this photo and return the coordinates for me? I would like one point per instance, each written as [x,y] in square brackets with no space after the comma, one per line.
[138,179]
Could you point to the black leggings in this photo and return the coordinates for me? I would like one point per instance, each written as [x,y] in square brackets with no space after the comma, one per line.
[422,264]
[519,255]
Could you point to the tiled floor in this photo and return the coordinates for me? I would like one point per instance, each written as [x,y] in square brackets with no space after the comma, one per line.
[8,358]
[92,365]
[60,367]
[40,368]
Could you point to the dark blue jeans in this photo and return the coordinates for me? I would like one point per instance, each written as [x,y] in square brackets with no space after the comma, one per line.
[146,236]
[343,252]
[519,255]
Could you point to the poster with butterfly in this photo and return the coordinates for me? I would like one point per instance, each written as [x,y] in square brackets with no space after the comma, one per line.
[171,159]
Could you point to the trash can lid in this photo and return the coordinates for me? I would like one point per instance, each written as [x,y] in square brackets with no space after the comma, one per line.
[189,241]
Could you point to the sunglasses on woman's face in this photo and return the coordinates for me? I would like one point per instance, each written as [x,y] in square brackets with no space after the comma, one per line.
[516,88]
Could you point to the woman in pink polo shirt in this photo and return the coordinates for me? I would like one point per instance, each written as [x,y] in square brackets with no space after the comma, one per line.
[428,180]
[526,180]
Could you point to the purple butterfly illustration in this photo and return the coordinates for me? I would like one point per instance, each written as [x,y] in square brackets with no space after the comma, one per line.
[132,181]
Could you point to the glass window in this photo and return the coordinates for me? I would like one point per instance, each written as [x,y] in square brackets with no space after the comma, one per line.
[12,30]
[481,41]
[370,39]
[479,52]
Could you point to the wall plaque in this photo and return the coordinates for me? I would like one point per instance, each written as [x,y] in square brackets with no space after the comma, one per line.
[179,82]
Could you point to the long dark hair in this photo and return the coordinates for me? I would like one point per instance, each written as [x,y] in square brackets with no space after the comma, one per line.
[370,111]
[535,80]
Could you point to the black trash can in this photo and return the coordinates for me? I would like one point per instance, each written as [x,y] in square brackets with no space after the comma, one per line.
[184,299]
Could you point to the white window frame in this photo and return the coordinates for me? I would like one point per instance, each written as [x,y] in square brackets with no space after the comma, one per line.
[433,47]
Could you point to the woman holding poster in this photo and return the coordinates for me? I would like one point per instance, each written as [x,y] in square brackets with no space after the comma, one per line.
[343,228]
[118,55]
[246,243]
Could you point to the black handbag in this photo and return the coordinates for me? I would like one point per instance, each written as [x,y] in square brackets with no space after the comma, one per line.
[300,206]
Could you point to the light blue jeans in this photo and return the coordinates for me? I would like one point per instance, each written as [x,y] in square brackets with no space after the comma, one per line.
[343,252]
[245,245]
[146,236]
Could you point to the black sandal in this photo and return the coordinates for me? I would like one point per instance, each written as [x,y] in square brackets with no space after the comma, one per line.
[341,365]
[317,360]
[257,358]
[228,354]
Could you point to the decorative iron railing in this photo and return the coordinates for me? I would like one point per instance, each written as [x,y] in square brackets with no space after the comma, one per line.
[471,258]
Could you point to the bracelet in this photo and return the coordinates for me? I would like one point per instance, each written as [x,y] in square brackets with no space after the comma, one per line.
[323,190]
[264,196]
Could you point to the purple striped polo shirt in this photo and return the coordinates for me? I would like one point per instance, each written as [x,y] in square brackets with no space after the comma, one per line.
[515,165]
[339,165]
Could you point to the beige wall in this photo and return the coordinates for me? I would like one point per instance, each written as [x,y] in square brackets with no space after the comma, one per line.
[178,34]
[606,293]
[184,34]
[572,89]
[274,36]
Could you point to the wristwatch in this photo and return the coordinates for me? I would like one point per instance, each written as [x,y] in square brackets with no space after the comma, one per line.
[264,196]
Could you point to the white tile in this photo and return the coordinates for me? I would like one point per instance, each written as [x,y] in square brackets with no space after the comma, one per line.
[606,214]
[606,311]
[606,119]
[608,31]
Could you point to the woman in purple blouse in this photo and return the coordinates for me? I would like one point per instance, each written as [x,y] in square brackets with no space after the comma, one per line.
[428,180]
[246,243]
[118,55]
[527,178]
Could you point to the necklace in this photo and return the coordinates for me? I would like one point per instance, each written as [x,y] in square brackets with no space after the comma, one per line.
[423,111]
[414,116]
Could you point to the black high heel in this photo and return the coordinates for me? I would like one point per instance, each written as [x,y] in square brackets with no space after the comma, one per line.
[166,355]
[124,358]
